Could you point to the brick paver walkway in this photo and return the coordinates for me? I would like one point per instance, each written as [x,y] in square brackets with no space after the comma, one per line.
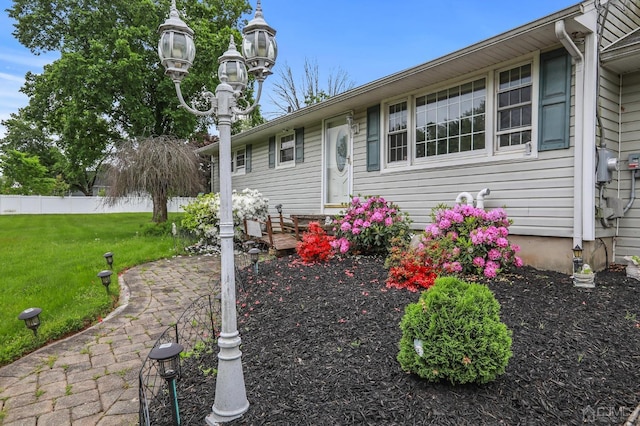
[92,378]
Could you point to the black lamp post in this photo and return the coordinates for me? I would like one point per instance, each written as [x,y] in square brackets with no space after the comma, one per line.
[108,256]
[31,318]
[253,255]
[168,357]
[105,276]
[577,258]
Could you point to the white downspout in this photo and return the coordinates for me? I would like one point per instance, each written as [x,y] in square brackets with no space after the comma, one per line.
[480,197]
[578,59]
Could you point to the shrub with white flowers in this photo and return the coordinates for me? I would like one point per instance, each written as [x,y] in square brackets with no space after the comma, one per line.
[202,215]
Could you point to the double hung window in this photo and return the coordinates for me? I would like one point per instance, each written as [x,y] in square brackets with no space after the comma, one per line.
[238,161]
[514,106]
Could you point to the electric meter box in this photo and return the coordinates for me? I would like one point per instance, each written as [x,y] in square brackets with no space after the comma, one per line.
[634,161]
[607,163]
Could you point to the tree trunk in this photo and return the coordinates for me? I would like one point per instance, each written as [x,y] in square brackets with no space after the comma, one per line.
[159,209]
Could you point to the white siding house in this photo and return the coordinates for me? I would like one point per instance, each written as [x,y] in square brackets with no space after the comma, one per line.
[545,116]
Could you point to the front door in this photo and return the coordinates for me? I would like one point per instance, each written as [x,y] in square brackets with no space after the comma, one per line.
[337,161]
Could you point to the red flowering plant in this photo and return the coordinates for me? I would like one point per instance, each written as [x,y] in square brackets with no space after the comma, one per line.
[409,267]
[315,245]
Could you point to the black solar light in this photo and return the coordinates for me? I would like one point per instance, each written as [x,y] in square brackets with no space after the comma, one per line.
[577,258]
[168,357]
[253,255]
[279,208]
[105,276]
[31,318]
[109,258]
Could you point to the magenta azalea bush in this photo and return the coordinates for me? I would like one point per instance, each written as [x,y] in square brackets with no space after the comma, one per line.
[469,240]
[369,225]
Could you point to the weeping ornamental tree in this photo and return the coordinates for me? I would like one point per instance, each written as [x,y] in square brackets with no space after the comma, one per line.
[162,167]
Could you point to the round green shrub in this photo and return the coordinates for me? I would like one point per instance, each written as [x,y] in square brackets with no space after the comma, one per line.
[454,333]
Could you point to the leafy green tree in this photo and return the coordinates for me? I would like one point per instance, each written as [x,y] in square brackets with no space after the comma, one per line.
[108,85]
[24,175]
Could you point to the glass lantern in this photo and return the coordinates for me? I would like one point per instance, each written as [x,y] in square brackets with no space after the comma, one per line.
[233,68]
[176,48]
[259,45]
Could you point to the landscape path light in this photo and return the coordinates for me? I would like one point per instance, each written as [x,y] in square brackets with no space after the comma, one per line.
[254,253]
[176,50]
[168,357]
[31,318]
[108,256]
[577,258]
[105,277]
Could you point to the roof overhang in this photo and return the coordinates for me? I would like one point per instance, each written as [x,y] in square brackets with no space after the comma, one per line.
[520,41]
[623,56]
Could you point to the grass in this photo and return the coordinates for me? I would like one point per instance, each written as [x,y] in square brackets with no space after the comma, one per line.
[51,262]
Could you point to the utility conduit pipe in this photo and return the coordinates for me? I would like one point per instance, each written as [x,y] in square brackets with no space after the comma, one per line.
[466,196]
[480,197]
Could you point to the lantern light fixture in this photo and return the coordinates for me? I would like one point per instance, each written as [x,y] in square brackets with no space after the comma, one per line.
[31,318]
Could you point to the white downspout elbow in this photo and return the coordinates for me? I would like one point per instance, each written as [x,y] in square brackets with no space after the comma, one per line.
[480,197]
[466,196]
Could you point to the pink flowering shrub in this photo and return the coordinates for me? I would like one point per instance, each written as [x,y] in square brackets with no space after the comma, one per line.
[468,240]
[368,226]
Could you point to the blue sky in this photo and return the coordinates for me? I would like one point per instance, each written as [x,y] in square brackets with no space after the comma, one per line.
[368,39]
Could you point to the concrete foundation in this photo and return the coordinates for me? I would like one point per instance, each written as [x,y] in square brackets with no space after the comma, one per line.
[555,254]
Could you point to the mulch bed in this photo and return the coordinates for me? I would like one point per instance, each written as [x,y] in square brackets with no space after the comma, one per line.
[320,343]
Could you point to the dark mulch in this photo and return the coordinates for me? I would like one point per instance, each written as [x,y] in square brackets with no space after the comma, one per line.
[320,343]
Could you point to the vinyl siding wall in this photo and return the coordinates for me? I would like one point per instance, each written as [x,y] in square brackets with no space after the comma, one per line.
[298,188]
[536,192]
[622,17]
[609,107]
[628,241]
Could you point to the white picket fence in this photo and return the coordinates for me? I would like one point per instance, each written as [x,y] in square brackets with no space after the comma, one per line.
[38,204]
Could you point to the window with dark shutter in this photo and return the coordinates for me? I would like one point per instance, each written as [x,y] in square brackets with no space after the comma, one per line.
[247,159]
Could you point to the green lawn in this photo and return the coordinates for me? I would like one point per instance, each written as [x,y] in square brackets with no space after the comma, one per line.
[51,262]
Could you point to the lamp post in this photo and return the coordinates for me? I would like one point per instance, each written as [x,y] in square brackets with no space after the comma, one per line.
[31,318]
[167,356]
[177,52]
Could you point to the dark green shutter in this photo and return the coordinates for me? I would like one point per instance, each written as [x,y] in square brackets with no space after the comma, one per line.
[555,100]
[373,138]
[300,145]
[247,158]
[272,152]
